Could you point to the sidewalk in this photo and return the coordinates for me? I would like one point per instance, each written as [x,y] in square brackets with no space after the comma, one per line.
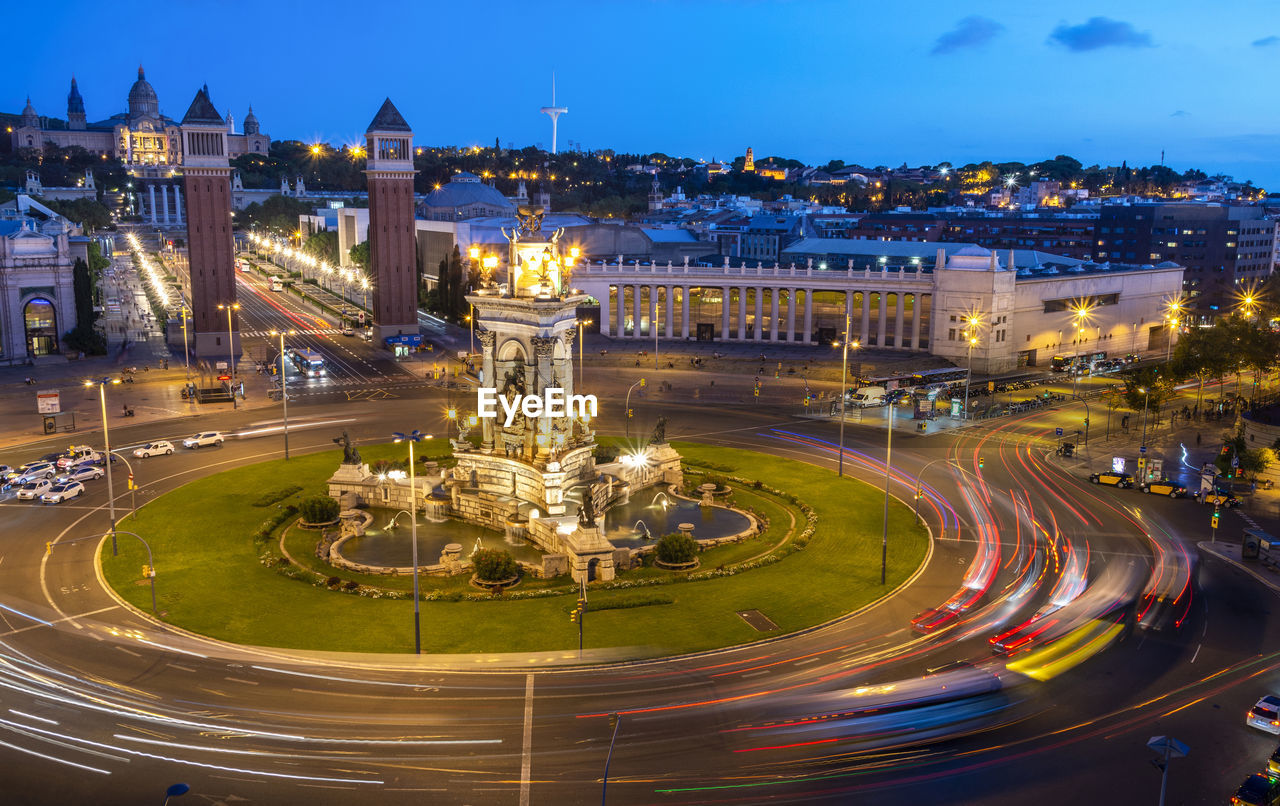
[1268,575]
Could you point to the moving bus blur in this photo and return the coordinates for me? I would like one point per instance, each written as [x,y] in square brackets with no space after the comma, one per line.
[277,284]
[308,362]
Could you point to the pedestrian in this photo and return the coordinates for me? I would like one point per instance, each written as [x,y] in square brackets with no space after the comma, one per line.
[1197,440]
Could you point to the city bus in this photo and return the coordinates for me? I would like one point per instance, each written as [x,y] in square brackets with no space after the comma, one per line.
[277,283]
[308,362]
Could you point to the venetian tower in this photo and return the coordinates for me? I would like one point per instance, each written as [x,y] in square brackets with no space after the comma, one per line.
[392,248]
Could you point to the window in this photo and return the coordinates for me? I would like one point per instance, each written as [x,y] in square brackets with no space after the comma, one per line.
[951,334]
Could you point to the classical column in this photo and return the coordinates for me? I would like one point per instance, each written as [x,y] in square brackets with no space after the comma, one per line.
[684,312]
[808,316]
[882,319]
[865,332]
[759,314]
[773,312]
[622,311]
[917,306]
[635,308]
[670,323]
[897,323]
[164,203]
[724,313]
[606,306]
[151,201]
[742,313]
[791,313]
[177,203]
[487,339]
[543,349]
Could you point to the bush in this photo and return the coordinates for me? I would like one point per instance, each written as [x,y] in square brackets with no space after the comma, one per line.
[676,548]
[605,453]
[494,565]
[319,509]
[269,525]
[720,481]
[271,497]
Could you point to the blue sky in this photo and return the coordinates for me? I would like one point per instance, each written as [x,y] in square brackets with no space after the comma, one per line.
[876,83]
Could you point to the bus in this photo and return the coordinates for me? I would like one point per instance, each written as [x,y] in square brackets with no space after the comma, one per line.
[948,375]
[1077,363]
[308,362]
[277,283]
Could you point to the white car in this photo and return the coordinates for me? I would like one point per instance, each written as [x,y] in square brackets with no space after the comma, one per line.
[203,439]
[37,470]
[34,489]
[61,492]
[1265,715]
[79,454]
[81,473]
[160,446]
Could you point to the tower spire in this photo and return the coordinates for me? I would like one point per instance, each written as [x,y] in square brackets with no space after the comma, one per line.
[554,112]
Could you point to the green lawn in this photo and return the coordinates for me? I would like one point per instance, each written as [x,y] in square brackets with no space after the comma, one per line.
[210,580]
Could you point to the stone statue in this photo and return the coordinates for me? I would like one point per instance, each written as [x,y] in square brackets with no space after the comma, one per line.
[350,456]
[530,219]
[659,436]
[513,381]
[587,512]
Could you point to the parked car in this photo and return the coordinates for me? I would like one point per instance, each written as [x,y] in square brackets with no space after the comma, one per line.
[1221,499]
[1265,714]
[1165,487]
[203,439]
[1273,764]
[81,473]
[34,489]
[1112,478]
[160,446]
[63,492]
[77,455]
[1258,790]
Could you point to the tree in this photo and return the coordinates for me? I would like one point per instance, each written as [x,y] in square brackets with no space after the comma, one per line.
[323,246]
[278,214]
[359,254]
[1146,389]
[319,509]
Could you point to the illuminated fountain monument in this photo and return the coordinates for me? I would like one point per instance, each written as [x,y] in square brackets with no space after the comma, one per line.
[533,472]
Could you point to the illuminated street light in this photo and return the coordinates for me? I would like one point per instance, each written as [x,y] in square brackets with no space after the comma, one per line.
[106,456]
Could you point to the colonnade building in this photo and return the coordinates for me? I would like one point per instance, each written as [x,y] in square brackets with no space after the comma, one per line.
[1029,306]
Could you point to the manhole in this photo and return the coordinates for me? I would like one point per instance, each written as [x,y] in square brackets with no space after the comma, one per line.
[757,620]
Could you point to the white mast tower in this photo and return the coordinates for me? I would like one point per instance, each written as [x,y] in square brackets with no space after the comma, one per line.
[554,112]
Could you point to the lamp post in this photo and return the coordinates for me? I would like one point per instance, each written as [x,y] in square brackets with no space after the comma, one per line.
[231,346]
[284,387]
[639,383]
[968,377]
[412,437]
[888,455]
[471,318]
[844,392]
[186,351]
[106,457]
[1146,394]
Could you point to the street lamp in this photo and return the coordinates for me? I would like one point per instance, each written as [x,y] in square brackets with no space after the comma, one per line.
[1146,393]
[888,455]
[186,351]
[639,383]
[844,392]
[968,377]
[284,387]
[231,348]
[106,456]
[412,437]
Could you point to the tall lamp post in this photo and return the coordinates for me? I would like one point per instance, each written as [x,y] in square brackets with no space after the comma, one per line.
[412,437]
[888,455]
[968,377]
[186,351]
[582,329]
[284,386]
[231,346]
[106,456]
[1146,393]
[844,392]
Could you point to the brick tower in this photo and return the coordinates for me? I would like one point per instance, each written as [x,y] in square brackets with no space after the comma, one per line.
[392,254]
[206,180]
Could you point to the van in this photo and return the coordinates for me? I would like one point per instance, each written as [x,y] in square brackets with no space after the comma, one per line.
[869,396]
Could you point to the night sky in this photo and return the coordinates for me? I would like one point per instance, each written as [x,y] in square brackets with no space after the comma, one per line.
[873,83]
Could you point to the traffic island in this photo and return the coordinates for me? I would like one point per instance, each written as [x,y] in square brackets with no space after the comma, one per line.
[223,574]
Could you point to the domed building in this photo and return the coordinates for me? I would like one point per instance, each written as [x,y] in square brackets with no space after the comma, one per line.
[465,196]
[142,137]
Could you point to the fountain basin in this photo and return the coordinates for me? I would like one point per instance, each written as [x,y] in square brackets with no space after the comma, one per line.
[665,512]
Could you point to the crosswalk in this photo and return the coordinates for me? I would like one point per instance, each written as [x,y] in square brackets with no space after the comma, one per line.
[322,331]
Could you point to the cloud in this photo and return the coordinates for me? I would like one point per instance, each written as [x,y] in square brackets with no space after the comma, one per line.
[1099,32]
[970,32]
[1266,41]
[1181,113]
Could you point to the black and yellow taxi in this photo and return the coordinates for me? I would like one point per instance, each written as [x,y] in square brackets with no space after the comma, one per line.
[1220,498]
[1164,487]
[1112,478]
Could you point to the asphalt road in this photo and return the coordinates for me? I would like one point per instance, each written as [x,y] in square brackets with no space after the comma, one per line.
[100,705]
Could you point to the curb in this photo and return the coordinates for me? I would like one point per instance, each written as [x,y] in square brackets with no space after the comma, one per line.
[1212,548]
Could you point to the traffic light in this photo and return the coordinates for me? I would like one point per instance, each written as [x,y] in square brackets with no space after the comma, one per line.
[146,571]
[642,383]
[1214,521]
[582,604]
[981,462]
[630,414]
[573,616]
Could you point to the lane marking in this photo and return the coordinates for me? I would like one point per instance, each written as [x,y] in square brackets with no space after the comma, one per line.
[56,621]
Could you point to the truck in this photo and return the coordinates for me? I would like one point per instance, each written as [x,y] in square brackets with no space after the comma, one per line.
[867,396]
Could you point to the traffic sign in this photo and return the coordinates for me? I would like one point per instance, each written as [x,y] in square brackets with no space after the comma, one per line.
[1057,432]
[1142,449]
[1170,745]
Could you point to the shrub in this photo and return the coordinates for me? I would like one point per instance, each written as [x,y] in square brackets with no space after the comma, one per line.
[606,453]
[269,525]
[494,565]
[719,481]
[319,509]
[333,582]
[676,548]
[272,496]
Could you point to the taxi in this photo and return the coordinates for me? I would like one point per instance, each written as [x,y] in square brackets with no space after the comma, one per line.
[1164,487]
[1112,479]
[1221,499]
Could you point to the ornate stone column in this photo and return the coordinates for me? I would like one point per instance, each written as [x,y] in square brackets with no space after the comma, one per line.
[606,308]
[724,312]
[151,201]
[177,202]
[808,316]
[543,350]
[742,313]
[684,312]
[865,333]
[773,312]
[916,309]
[759,324]
[669,324]
[487,339]
[882,319]
[792,295]
[635,311]
[622,311]
[164,203]
[653,310]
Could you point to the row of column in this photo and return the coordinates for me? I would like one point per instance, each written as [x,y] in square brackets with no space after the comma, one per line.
[613,314]
[163,209]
